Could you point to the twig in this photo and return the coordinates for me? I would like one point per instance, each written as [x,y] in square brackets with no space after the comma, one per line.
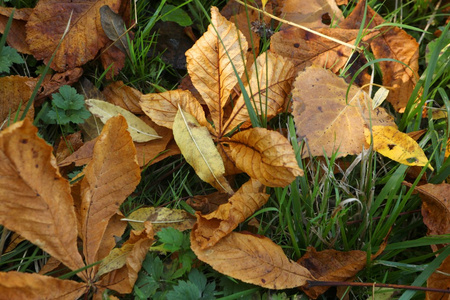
[301,27]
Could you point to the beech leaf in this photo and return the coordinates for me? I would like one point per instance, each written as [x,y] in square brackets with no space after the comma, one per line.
[114,28]
[265,155]
[140,132]
[252,259]
[199,150]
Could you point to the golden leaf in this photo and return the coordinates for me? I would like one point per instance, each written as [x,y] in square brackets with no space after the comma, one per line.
[398,146]
[252,259]
[35,201]
[309,13]
[15,91]
[139,130]
[210,64]
[124,96]
[265,155]
[216,225]
[199,150]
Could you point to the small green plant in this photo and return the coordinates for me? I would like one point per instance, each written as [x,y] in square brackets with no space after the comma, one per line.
[8,55]
[67,109]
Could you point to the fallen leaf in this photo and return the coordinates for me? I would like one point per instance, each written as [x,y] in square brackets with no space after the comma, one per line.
[160,217]
[16,35]
[116,259]
[212,227]
[83,40]
[112,60]
[67,146]
[15,91]
[114,28]
[398,146]
[80,157]
[52,83]
[252,259]
[209,64]
[326,120]
[138,129]
[35,200]
[199,150]
[124,96]
[309,13]
[208,203]
[439,280]
[265,155]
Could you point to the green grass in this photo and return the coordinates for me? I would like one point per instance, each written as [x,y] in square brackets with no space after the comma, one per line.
[353,209]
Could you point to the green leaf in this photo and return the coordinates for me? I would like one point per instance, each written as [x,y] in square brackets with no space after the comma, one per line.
[184,291]
[8,57]
[172,239]
[175,14]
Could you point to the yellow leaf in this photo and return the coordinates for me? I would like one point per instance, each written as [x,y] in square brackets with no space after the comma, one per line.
[116,259]
[210,64]
[396,145]
[161,217]
[198,149]
[264,155]
[140,132]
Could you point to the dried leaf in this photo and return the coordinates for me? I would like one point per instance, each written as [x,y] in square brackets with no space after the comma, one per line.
[210,67]
[82,42]
[265,155]
[52,83]
[310,13]
[114,28]
[398,146]
[81,156]
[67,146]
[116,259]
[331,265]
[114,230]
[35,199]
[326,120]
[216,225]
[161,217]
[16,35]
[124,96]
[17,285]
[15,91]
[208,203]
[439,280]
[139,130]
[269,86]
[252,259]
[105,184]
[199,150]
[112,60]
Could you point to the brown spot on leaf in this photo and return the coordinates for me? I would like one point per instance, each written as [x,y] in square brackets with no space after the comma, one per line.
[296,45]
[391,146]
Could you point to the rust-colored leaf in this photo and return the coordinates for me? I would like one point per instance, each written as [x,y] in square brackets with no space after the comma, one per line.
[16,285]
[16,35]
[35,201]
[15,91]
[67,146]
[208,203]
[81,156]
[52,83]
[216,225]
[439,280]
[124,96]
[264,155]
[252,259]
[326,119]
[269,86]
[113,59]
[84,39]
[209,64]
[108,179]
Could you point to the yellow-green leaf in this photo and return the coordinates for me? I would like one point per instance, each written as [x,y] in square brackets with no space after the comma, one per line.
[198,149]
[398,146]
[116,259]
[140,132]
[161,217]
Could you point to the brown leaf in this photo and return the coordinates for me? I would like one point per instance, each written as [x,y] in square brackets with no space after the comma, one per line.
[15,91]
[112,58]
[114,28]
[209,64]
[35,199]
[269,86]
[310,13]
[16,35]
[331,265]
[67,145]
[81,156]
[53,82]
[161,217]
[439,280]
[108,179]
[124,96]
[16,285]
[393,43]
[84,38]
[326,120]
[252,259]
[113,231]
[213,227]
[265,155]
[208,203]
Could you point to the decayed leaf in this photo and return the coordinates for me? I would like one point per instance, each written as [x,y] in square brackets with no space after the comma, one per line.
[265,155]
[106,185]
[269,86]
[17,285]
[80,157]
[114,28]
[439,280]
[52,83]
[326,120]
[209,64]
[16,35]
[252,259]
[208,203]
[35,200]
[311,13]
[15,91]
[161,217]
[84,39]
[163,107]
[331,265]
[393,43]
[396,145]
[216,225]
[124,96]
[199,150]
[139,130]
